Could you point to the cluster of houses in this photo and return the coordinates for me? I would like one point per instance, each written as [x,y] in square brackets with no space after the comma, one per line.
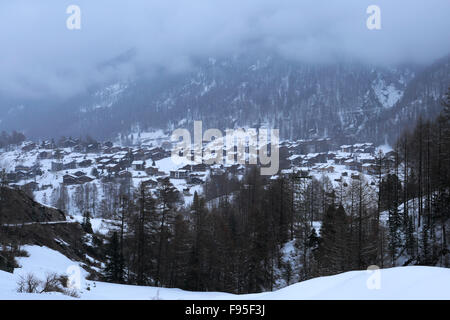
[90,161]
[113,161]
[77,164]
[359,157]
[22,172]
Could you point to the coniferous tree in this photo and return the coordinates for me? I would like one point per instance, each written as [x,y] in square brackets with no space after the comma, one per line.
[333,241]
[86,224]
[114,269]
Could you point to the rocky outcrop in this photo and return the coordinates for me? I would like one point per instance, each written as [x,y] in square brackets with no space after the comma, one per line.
[17,208]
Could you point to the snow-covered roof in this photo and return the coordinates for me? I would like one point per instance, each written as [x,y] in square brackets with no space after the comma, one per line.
[293,157]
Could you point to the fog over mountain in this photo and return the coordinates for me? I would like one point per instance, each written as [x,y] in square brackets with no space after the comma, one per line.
[342,193]
[45,58]
[46,69]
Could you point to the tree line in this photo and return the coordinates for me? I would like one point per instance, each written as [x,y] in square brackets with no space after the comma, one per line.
[237,239]
[259,233]
[13,138]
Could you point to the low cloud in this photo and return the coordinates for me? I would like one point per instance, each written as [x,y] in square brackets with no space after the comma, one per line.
[40,57]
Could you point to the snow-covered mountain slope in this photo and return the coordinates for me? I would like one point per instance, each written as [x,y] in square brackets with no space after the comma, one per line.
[345,99]
[395,283]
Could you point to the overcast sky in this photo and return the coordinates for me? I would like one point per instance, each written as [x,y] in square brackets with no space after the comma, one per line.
[40,57]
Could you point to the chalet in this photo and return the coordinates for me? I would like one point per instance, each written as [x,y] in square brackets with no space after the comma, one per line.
[352,165]
[151,171]
[28,147]
[340,160]
[158,153]
[108,144]
[138,165]
[47,144]
[178,174]
[113,168]
[69,143]
[85,163]
[139,155]
[93,147]
[201,167]
[369,168]
[367,147]
[313,158]
[119,157]
[365,158]
[358,147]
[150,183]
[84,179]
[331,155]
[58,154]
[346,148]
[78,148]
[326,168]
[112,149]
[31,186]
[195,180]
[69,179]
[296,160]
[22,168]
[187,167]
[104,161]
[45,155]
[79,173]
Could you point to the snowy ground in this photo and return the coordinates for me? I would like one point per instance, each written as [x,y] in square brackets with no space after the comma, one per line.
[395,283]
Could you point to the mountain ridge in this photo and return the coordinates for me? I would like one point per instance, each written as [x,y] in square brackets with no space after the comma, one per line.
[346,100]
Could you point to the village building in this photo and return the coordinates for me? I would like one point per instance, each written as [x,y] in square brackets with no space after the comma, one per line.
[179,174]
[138,165]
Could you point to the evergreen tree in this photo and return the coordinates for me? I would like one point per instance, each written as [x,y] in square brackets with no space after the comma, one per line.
[86,224]
[114,268]
[334,241]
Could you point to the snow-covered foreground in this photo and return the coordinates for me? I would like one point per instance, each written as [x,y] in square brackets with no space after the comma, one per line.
[394,283]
